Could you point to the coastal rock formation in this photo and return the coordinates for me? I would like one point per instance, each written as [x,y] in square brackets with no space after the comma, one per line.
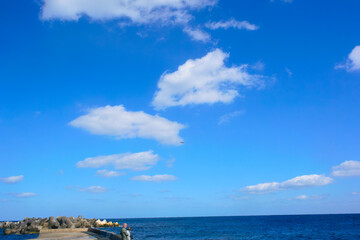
[35,225]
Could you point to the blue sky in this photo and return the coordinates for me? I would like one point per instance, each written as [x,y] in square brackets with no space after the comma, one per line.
[179,108]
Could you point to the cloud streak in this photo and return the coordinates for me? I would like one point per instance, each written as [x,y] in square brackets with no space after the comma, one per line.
[116,121]
[92,189]
[303,181]
[155,178]
[25,195]
[133,161]
[232,23]
[109,174]
[12,179]
[197,34]
[227,117]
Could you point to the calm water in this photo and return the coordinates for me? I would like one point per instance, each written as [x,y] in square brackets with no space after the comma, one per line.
[259,227]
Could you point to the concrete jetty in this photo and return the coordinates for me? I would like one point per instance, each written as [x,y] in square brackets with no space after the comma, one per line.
[78,234]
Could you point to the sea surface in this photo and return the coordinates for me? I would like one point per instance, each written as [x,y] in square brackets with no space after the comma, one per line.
[321,227]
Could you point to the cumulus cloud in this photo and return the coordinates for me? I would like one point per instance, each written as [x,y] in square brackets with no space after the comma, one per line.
[203,80]
[155,178]
[116,121]
[25,195]
[124,11]
[109,174]
[92,189]
[197,34]
[232,23]
[352,62]
[134,161]
[347,169]
[297,182]
[12,180]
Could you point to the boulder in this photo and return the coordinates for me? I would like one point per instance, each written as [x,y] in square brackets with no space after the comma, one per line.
[53,223]
[7,231]
[24,231]
[77,225]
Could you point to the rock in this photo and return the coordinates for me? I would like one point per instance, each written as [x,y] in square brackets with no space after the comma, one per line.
[1,225]
[24,231]
[12,225]
[34,228]
[7,231]
[53,223]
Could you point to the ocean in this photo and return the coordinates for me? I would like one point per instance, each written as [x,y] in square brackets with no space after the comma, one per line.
[320,227]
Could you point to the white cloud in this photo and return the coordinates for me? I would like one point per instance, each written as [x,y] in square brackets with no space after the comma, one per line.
[232,23]
[116,121]
[124,11]
[134,161]
[109,174]
[197,34]
[155,178]
[353,61]
[347,169]
[306,197]
[12,180]
[302,197]
[25,195]
[203,80]
[297,182]
[227,117]
[93,189]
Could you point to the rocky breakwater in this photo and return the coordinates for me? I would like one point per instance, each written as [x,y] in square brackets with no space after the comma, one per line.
[35,225]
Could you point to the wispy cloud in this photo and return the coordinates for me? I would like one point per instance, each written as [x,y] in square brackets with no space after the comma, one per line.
[116,121]
[227,117]
[307,197]
[12,179]
[133,161]
[204,81]
[353,61]
[197,34]
[302,197]
[170,162]
[109,174]
[232,23]
[124,11]
[92,189]
[289,72]
[155,178]
[347,169]
[25,195]
[297,182]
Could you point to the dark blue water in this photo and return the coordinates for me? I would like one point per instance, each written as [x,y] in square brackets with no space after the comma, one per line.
[16,237]
[321,227]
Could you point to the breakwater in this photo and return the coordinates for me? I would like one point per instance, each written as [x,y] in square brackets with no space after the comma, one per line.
[35,225]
